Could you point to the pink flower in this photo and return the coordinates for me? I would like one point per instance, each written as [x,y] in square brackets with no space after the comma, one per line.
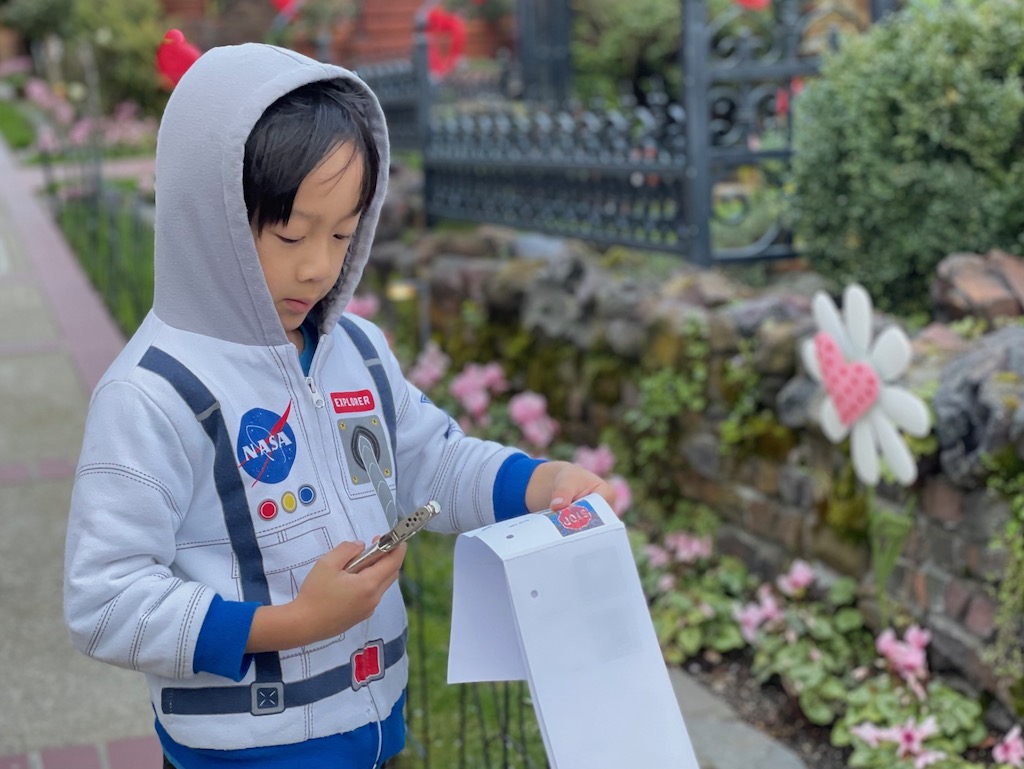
[476,403]
[869,733]
[430,367]
[599,461]
[623,494]
[365,306]
[493,376]
[799,578]
[469,388]
[471,379]
[917,637]
[911,736]
[528,410]
[770,609]
[540,432]
[1011,749]
[657,556]
[527,407]
[750,618]
[666,582]
[688,548]
[754,5]
[927,758]
[908,659]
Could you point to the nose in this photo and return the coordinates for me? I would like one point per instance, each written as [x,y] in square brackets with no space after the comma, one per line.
[315,264]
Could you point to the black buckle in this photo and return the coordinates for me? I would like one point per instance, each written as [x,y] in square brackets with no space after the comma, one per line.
[267,698]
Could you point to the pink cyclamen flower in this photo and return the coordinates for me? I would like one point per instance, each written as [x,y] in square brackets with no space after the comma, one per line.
[908,659]
[470,380]
[917,637]
[1011,749]
[623,494]
[770,609]
[599,461]
[430,367]
[657,556]
[527,407]
[666,582]
[869,733]
[927,758]
[799,578]
[365,306]
[688,548]
[540,431]
[911,736]
[750,618]
[493,376]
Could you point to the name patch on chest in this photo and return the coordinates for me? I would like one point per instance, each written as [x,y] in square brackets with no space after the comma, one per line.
[351,402]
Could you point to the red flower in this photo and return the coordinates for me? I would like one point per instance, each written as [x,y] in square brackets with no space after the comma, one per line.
[796,85]
[754,5]
[444,31]
[174,56]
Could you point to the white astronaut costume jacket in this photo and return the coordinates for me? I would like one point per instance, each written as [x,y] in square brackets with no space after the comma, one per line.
[212,464]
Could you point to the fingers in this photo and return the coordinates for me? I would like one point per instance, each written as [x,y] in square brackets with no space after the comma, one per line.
[574,487]
[344,553]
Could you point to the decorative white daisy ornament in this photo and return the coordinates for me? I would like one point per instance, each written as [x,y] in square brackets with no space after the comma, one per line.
[860,398]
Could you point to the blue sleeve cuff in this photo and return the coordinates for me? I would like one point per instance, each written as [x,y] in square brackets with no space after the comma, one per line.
[220,648]
[509,496]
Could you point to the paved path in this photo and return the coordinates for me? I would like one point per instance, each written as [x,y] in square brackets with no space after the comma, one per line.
[58,709]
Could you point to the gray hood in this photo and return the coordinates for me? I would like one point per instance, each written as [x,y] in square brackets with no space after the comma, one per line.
[208,278]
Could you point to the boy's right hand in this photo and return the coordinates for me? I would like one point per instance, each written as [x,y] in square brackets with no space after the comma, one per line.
[329,602]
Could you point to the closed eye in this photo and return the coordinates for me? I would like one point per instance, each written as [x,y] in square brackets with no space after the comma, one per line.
[341,236]
[289,241]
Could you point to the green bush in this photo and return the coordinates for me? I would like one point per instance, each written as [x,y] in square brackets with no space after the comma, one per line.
[124,35]
[616,44]
[909,147]
[14,127]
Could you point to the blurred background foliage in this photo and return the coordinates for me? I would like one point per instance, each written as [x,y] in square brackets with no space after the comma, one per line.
[123,35]
[910,146]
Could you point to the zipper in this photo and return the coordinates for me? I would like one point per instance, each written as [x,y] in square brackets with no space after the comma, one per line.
[318,399]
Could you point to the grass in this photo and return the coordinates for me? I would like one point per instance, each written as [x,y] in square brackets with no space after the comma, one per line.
[15,127]
[116,250]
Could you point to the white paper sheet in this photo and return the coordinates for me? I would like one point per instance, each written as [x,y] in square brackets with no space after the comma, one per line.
[555,599]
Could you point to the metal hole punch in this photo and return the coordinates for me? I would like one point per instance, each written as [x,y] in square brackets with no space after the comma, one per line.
[399,533]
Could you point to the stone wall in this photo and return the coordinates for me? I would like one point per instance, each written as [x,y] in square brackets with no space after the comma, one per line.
[778,499]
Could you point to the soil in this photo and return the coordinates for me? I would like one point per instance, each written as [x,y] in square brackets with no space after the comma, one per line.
[768,709]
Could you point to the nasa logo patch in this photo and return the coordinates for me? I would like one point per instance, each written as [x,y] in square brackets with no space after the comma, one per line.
[266,445]
[575,518]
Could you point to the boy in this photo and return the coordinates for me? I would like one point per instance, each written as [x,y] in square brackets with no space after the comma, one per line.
[251,437]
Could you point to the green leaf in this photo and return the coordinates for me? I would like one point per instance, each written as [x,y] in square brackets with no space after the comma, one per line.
[842,592]
[727,638]
[816,709]
[847,620]
[690,640]
[833,689]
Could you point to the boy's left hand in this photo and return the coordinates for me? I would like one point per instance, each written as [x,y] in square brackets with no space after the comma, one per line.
[556,485]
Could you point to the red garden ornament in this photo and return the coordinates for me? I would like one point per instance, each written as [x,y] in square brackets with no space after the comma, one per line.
[174,56]
[446,40]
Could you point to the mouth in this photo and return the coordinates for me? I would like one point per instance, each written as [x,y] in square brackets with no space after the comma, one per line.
[298,305]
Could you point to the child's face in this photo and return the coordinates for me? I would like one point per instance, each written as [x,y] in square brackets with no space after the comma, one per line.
[301,260]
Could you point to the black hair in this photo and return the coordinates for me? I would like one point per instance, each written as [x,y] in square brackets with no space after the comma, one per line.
[293,136]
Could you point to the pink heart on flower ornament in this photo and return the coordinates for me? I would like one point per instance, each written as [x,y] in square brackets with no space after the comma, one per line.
[853,387]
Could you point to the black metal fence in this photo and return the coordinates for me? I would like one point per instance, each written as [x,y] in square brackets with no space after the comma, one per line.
[701,173]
